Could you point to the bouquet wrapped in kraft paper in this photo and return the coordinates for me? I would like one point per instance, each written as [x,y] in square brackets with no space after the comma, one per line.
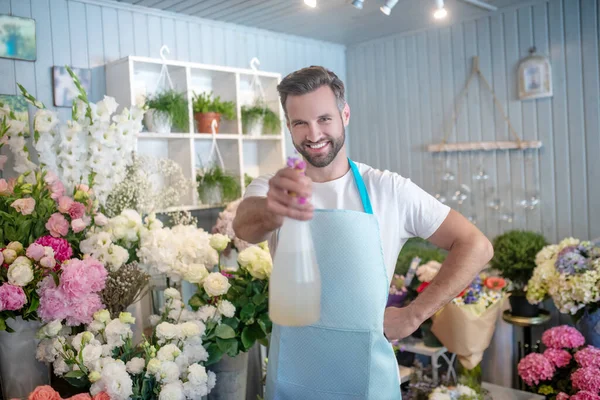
[466,325]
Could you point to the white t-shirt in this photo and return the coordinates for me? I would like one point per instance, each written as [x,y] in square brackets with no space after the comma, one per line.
[402,208]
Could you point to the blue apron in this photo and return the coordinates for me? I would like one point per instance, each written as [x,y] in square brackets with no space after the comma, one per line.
[344,355]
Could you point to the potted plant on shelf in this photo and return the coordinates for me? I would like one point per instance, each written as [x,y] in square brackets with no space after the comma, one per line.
[208,108]
[514,258]
[166,109]
[216,186]
[258,119]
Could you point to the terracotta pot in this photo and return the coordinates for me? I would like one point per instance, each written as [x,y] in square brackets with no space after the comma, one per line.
[204,121]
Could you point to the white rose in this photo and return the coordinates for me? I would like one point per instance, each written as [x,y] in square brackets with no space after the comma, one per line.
[226,308]
[168,373]
[257,261]
[172,391]
[168,353]
[219,242]
[206,312]
[167,331]
[45,120]
[153,366]
[20,273]
[195,352]
[172,293]
[197,374]
[189,329]
[216,284]
[135,365]
[195,273]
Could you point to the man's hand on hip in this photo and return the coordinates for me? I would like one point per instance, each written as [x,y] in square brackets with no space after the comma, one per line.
[399,323]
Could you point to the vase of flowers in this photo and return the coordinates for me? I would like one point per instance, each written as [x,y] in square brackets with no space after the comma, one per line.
[589,325]
[20,372]
[514,258]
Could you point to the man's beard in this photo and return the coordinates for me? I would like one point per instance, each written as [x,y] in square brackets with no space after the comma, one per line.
[323,160]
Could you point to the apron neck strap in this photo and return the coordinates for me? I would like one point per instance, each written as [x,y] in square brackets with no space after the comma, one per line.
[362,189]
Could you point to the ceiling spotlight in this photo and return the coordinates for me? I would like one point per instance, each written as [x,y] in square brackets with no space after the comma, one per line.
[311,3]
[441,12]
[387,7]
[358,4]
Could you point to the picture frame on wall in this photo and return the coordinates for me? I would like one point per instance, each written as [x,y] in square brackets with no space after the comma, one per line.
[18,105]
[17,38]
[535,77]
[64,88]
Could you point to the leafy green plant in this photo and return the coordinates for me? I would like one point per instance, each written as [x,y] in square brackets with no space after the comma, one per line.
[216,177]
[259,110]
[247,180]
[205,102]
[173,103]
[514,256]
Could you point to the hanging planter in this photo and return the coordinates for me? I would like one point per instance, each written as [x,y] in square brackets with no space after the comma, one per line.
[158,122]
[167,109]
[258,119]
[208,108]
[215,186]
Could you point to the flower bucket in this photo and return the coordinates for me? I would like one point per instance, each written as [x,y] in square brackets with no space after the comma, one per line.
[158,122]
[255,127]
[589,326]
[20,371]
[232,378]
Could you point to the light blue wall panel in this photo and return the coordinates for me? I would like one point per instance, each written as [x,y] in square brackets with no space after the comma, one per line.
[403,90]
[89,34]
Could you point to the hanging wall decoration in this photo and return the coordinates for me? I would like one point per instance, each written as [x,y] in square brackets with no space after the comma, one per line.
[535,76]
[65,90]
[17,38]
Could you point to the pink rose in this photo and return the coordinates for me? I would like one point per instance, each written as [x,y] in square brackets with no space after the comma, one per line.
[2,162]
[45,392]
[84,188]
[48,262]
[78,225]
[100,219]
[64,204]
[12,298]
[57,225]
[77,210]
[4,188]
[24,206]
[57,189]
[80,396]
[50,178]
[101,396]
[35,251]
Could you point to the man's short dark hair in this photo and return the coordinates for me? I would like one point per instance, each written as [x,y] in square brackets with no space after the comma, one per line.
[309,79]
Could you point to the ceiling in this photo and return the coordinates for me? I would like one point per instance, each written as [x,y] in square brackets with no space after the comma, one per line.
[332,20]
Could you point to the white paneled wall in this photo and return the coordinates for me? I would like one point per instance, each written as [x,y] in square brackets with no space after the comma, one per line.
[403,88]
[89,34]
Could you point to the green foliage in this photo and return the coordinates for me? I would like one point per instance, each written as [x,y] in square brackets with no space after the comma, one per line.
[514,255]
[260,110]
[247,180]
[173,103]
[205,102]
[417,247]
[216,177]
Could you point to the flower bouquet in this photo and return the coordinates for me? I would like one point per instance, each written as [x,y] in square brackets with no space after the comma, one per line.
[566,369]
[168,365]
[466,325]
[239,299]
[397,292]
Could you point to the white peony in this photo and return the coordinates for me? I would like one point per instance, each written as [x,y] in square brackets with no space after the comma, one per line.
[197,375]
[257,261]
[167,331]
[195,273]
[91,354]
[168,353]
[189,329]
[136,365]
[172,293]
[219,242]
[168,372]
[60,367]
[194,351]
[20,272]
[216,284]
[226,308]
[172,391]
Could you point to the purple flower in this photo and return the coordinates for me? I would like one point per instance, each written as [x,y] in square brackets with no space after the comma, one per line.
[571,260]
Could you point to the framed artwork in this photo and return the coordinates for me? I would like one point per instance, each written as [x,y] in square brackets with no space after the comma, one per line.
[65,90]
[18,105]
[17,38]
[535,77]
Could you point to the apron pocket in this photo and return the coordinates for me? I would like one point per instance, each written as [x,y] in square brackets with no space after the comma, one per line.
[325,359]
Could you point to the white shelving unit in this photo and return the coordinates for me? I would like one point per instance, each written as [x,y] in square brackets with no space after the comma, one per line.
[131,79]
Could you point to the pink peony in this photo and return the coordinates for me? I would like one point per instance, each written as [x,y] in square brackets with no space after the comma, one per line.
[562,396]
[77,210]
[78,225]
[83,311]
[12,298]
[62,248]
[35,251]
[563,337]
[587,379]
[24,206]
[54,304]
[588,357]
[583,395]
[57,225]
[48,262]
[64,204]
[4,188]
[79,278]
[535,368]
[560,358]
[3,159]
